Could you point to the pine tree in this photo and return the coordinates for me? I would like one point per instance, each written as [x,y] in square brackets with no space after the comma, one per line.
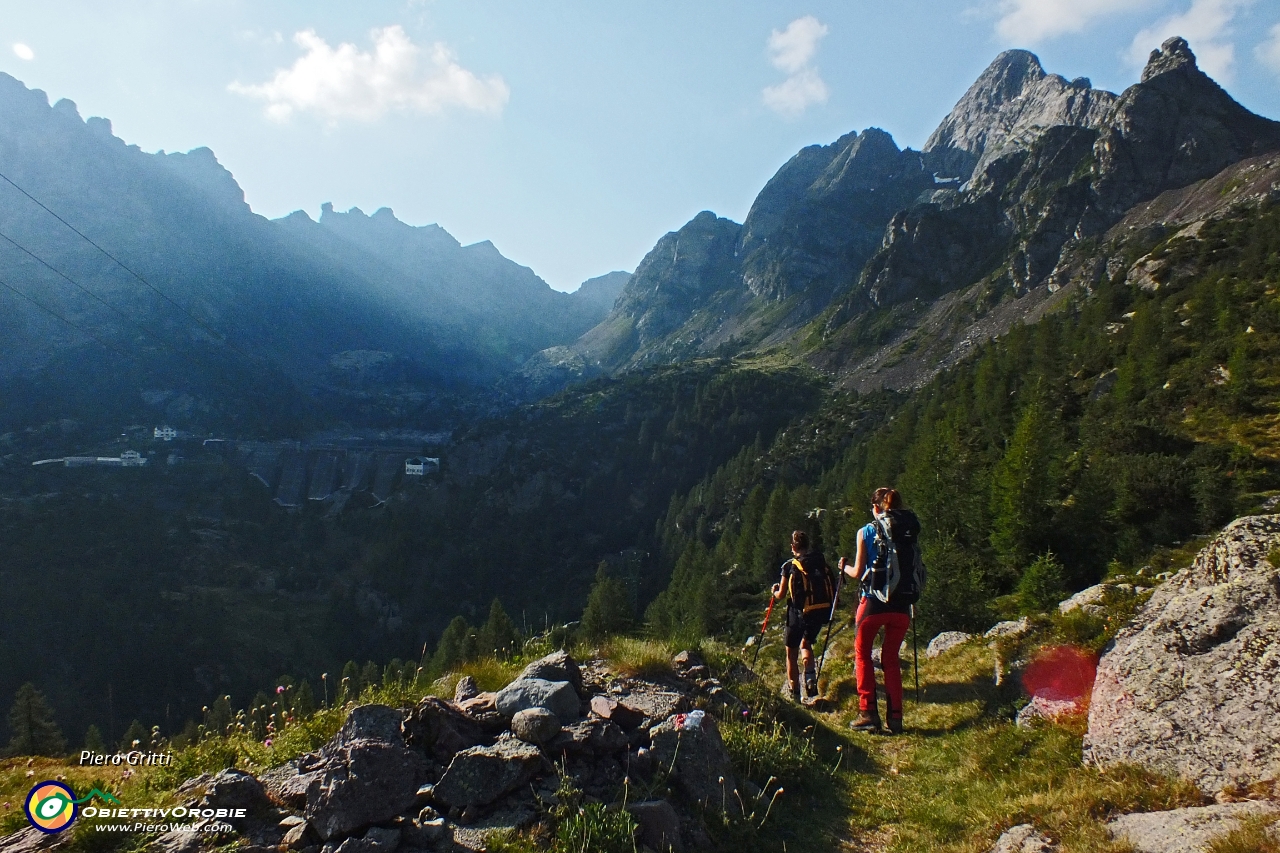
[31,721]
[137,736]
[608,609]
[348,689]
[499,636]
[304,700]
[93,740]
[220,715]
[452,645]
[1042,586]
[370,676]
[1023,485]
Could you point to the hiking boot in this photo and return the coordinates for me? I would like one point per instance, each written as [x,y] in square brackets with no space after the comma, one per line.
[791,691]
[811,688]
[895,725]
[868,721]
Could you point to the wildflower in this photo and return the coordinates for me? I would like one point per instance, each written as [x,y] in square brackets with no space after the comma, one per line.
[267,742]
[280,689]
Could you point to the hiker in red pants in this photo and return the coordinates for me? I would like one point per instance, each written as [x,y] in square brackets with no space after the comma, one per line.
[883,545]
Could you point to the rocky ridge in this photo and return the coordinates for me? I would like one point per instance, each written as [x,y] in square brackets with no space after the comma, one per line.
[445,775]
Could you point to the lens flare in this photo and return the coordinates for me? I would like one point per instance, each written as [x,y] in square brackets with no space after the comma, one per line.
[1061,673]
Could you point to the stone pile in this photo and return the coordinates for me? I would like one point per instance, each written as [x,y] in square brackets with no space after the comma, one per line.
[445,775]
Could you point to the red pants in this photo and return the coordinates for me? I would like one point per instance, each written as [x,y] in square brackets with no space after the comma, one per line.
[895,631]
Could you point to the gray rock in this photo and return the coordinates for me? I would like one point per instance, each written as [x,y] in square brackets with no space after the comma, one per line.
[608,708]
[482,774]
[32,840]
[288,787]
[655,702]
[1192,684]
[442,730]
[299,836]
[945,642]
[558,697]
[371,722]
[535,725]
[592,736]
[1044,708]
[364,782]
[376,840]
[1183,830]
[696,758]
[475,836]
[557,666]
[290,821]
[659,825]
[465,689]
[173,841]
[425,833]
[1008,629]
[234,789]
[1023,839]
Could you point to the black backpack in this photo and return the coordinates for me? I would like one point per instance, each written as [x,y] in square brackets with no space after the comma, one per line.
[811,588]
[898,574]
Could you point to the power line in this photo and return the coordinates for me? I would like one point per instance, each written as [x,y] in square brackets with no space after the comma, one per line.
[122,315]
[217,335]
[73,325]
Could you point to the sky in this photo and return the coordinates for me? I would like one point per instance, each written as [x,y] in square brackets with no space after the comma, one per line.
[571,133]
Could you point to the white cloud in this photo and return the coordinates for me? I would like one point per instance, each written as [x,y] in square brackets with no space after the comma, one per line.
[793,96]
[792,50]
[21,51]
[1031,21]
[1268,52]
[1205,25]
[344,82]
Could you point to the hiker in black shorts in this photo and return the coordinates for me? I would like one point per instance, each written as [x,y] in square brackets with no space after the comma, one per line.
[808,583]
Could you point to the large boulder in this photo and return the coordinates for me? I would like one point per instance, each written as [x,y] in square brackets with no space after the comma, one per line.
[234,789]
[1192,685]
[557,666]
[558,697]
[482,774]
[691,746]
[592,736]
[1183,830]
[368,775]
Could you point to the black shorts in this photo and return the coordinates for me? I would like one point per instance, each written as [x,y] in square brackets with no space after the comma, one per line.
[802,627]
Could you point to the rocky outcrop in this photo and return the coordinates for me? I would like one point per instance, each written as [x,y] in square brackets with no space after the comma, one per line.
[1192,685]
[433,777]
[1183,830]
[559,697]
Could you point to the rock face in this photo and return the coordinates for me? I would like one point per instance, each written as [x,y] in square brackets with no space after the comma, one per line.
[369,775]
[480,775]
[1192,685]
[1183,830]
[559,697]
[699,764]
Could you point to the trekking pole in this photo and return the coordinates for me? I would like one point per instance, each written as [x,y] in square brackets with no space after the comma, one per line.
[765,627]
[915,653]
[831,617]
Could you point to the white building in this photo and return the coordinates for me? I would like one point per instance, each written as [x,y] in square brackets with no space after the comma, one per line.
[413,466]
[132,459]
[166,433]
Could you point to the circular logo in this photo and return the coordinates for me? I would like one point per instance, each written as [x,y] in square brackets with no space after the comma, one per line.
[51,807]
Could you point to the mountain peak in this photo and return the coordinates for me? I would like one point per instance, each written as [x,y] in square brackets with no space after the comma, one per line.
[1012,98]
[1173,55]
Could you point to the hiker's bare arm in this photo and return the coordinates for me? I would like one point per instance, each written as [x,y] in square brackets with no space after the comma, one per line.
[855,569]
